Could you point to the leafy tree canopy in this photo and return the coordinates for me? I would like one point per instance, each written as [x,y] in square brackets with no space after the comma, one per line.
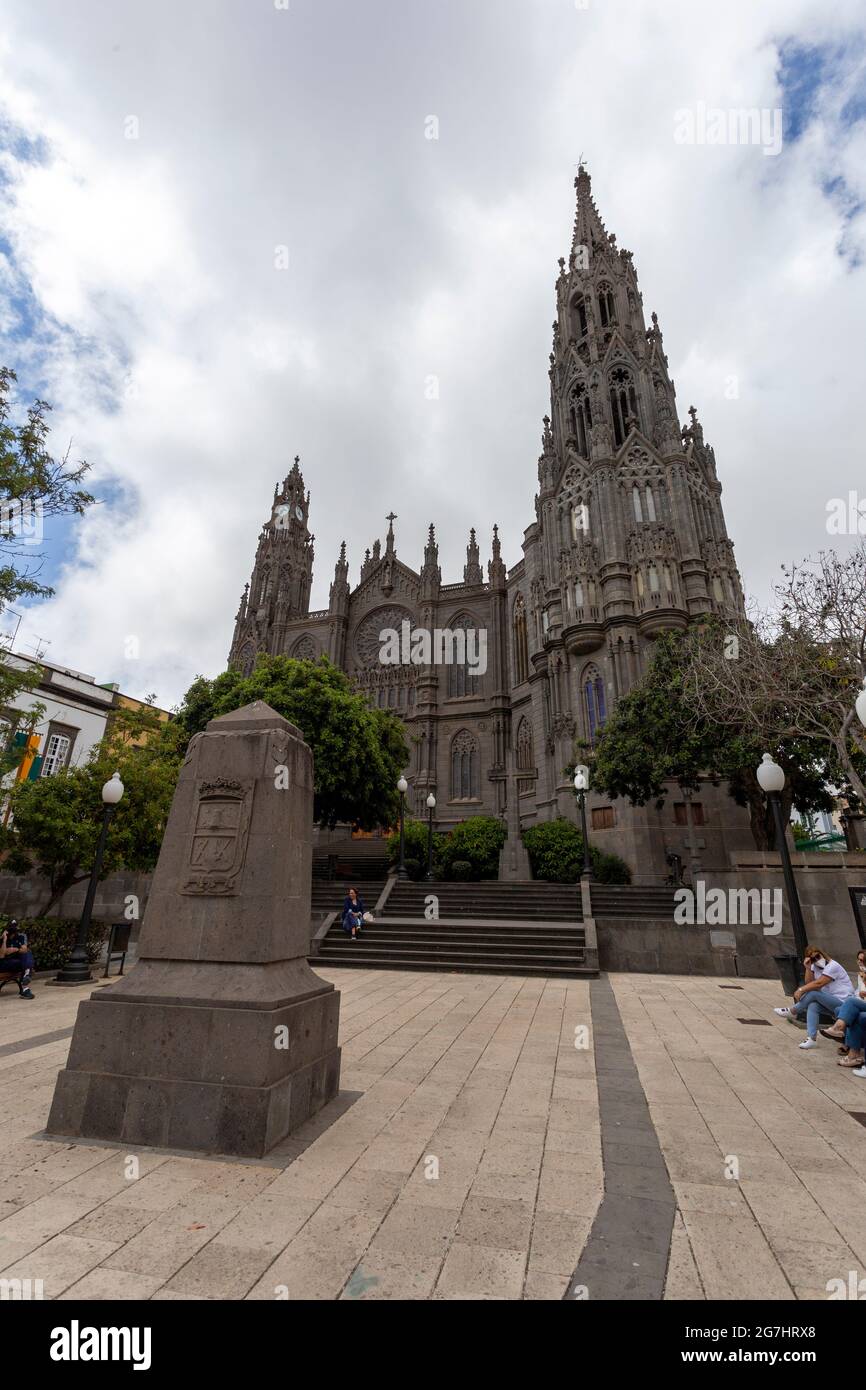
[657,736]
[358,752]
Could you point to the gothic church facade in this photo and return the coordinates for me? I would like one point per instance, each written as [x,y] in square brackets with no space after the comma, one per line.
[628,540]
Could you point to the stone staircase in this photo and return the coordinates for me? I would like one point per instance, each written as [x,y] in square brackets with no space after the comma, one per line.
[351,861]
[488,928]
[650,901]
[328,896]
[520,902]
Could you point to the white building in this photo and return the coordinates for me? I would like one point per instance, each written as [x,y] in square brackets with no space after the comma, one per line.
[76,710]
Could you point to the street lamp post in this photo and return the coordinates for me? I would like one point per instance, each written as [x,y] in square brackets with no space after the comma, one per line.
[581,784]
[402,787]
[76,971]
[431,807]
[772,779]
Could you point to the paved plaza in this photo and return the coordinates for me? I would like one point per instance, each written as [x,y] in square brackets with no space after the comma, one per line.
[495,1137]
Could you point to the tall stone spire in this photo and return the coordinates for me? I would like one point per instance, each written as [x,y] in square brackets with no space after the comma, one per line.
[339,594]
[472,571]
[496,571]
[589,230]
[431,574]
[279,588]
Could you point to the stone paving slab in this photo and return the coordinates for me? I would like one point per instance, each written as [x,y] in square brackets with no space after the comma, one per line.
[726,1098]
[478,1131]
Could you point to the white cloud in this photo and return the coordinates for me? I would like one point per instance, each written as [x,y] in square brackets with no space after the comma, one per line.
[189,370]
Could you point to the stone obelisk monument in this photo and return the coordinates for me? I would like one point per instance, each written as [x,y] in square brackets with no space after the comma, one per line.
[221,1038]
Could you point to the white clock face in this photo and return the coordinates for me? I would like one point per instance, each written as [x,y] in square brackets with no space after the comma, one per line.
[299,513]
[281,516]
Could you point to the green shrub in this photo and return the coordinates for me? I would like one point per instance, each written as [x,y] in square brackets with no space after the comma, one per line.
[415,869]
[609,868]
[51,939]
[476,841]
[462,870]
[555,851]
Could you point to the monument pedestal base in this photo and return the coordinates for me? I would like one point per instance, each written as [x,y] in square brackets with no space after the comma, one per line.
[221,1039]
[229,1078]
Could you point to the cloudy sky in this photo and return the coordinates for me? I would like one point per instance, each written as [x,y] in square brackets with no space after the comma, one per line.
[155,157]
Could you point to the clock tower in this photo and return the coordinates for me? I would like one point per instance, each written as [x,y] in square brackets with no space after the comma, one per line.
[279,590]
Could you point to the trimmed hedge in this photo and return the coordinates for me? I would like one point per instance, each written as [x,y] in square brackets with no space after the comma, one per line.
[461,870]
[555,851]
[51,939]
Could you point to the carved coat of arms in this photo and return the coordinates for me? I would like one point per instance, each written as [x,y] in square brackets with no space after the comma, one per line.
[218,836]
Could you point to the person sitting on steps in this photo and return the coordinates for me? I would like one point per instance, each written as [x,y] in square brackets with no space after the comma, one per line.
[827,987]
[353,914]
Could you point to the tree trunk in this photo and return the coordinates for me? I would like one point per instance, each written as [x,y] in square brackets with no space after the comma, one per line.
[58,890]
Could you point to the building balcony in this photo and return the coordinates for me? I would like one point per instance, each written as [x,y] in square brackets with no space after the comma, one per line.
[583,631]
[660,612]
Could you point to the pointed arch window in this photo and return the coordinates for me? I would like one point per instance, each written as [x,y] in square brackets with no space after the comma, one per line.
[650,503]
[623,402]
[465,778]
[606,305]
[578,593]
[579,520]
[304,649]
[636,503]
[581,419]
[461,677]
[653,579]
[521,648]
[595,703]
[578,316]
[525,756]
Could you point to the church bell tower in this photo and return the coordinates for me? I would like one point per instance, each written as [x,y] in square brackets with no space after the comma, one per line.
[279,589]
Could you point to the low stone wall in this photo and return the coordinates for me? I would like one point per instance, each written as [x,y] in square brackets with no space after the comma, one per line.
[729,947]
[648,947]
[24,895]
[823,880]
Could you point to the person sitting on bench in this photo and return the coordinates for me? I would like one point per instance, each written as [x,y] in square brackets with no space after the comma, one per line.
[353,913]
[16,960]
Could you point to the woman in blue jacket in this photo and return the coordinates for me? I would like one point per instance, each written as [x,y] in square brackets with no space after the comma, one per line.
[353,914]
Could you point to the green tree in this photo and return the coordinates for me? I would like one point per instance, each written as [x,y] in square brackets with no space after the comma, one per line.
[358,752]
[56,820]
[656,736]
[33,485]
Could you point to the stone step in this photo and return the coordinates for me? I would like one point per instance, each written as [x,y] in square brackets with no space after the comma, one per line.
[354,957]
[400,941]
[487,912]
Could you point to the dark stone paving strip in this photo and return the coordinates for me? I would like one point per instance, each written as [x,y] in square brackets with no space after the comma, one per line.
[626,1255]
[39,1040]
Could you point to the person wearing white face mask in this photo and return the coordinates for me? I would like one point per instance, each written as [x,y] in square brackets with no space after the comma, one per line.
[827,986]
